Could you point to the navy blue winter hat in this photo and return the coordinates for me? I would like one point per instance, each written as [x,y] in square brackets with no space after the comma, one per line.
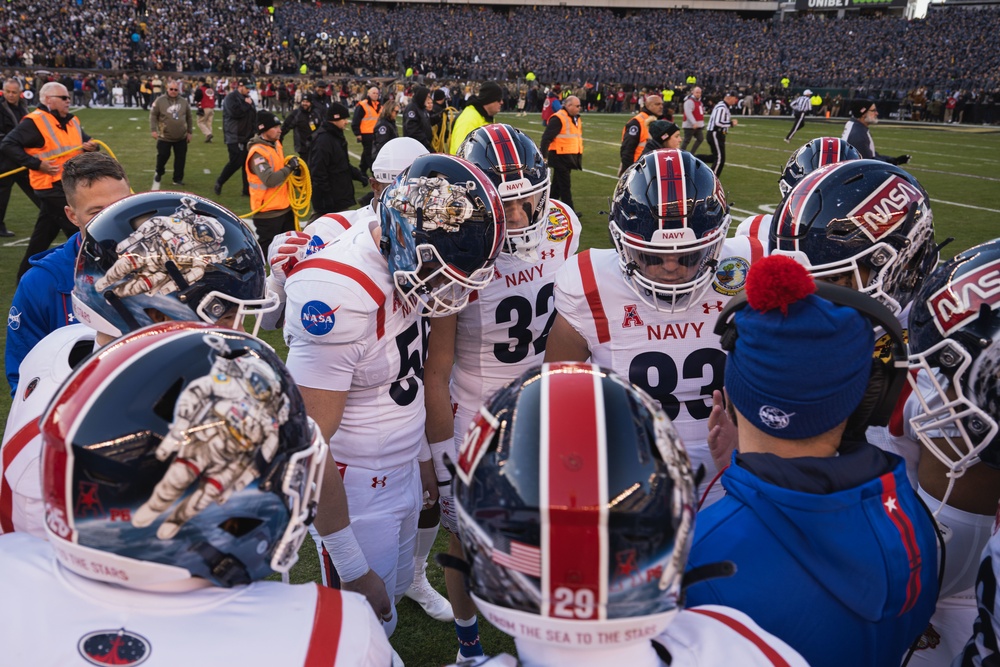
[800,364]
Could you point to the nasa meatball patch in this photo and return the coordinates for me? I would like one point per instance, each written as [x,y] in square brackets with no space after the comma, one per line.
[318,318]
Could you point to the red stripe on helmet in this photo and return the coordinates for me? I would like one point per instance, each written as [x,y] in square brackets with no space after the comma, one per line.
[508,160]
[574,496]
[671,183]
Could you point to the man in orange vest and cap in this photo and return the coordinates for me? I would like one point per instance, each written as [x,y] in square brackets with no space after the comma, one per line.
[42,142]
[266,174]
[562,144]
[363,126]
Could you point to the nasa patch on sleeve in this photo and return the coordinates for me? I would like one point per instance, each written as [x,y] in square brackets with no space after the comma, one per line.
[318,318]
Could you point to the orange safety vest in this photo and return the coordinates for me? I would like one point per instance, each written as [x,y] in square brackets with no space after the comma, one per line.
[260,193]
[57,141]
[371,117]
[642,117]
[569,141]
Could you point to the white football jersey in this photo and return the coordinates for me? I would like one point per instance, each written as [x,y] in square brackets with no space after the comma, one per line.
[982,647]
[756,227]
[503,330]
[78,621]
[705,636]
[675,357]
[43,370]
[348,329]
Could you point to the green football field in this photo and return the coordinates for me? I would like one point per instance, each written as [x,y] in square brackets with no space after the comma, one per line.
[958,166]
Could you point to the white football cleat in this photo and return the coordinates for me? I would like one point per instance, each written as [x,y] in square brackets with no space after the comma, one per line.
[434,604]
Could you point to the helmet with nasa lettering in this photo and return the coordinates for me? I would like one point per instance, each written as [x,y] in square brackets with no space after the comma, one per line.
[954,341]
[179,254]
[515,166]
[863,220]
[442,228]
[575,507]
[669,220]
[182,450]
[815,154]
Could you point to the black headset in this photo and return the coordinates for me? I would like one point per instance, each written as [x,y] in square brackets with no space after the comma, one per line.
[886,380]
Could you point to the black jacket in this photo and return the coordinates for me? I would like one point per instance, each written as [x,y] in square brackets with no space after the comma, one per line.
[416,120]
[385,131]
[239,119]
[10,117]
[304,123]
[331,171]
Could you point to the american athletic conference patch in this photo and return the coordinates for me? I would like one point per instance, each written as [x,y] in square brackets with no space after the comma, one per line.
[731,276]
[318,318]
[114,647]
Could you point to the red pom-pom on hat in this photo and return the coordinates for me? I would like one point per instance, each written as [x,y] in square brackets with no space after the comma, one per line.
[777,281]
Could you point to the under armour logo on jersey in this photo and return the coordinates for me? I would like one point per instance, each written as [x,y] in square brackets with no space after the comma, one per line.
[632,318]
[547,254]
[709,307]
[378,483]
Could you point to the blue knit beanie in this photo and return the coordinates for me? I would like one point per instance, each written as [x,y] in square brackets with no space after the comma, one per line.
[800,364]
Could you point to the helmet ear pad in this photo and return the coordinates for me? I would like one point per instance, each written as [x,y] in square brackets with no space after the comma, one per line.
[887,377]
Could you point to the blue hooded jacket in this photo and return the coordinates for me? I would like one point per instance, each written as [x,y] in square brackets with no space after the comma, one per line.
[42,303]
[845,571]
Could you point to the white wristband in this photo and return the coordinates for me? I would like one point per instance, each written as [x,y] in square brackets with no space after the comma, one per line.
[346,554]
[438,450]
[425,451]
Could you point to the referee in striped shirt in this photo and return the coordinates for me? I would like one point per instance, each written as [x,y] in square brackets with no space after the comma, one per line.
[801,105]
[718,124]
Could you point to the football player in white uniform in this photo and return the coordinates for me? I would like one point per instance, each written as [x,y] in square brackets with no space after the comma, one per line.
[356,334]
[953,412]
[503,330]
[103,591]
[576,510]
[647,309]
[234,287]
[811,156]
[287,250]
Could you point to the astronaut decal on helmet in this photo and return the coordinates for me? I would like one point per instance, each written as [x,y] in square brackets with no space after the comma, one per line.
[189,240]
[222,422]
[181,450]
[442,225]
[183,256]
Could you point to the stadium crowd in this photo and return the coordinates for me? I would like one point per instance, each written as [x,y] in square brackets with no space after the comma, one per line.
[951,48]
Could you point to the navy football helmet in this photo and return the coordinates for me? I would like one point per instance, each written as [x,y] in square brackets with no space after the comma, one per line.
[515,166]
[866,220]
[182,255]
[575,506]
[669,220]
[954,340]
[442,228]
[815,154]
[182,450]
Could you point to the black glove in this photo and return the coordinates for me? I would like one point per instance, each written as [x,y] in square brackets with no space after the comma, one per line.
[295,165]
[902,159]
[359,139]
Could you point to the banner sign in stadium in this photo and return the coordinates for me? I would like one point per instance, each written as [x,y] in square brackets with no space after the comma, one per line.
[833,5]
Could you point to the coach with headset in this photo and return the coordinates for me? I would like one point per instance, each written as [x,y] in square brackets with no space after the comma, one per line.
[834,552]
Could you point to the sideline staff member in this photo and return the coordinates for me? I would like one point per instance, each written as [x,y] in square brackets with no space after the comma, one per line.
[363,126]
[718,125]
[42,142]
[636,131]
[267,173]
[562,143]
[863,115]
